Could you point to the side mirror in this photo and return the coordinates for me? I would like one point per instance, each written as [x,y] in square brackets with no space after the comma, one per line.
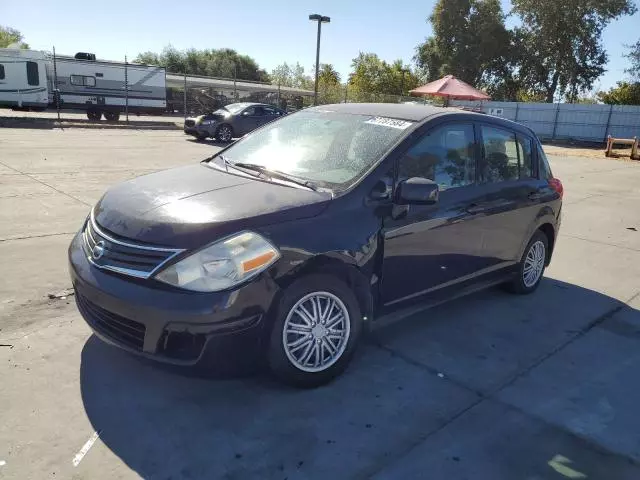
[417,191]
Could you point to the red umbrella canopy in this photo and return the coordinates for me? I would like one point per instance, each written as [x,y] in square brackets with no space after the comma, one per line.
[450,87]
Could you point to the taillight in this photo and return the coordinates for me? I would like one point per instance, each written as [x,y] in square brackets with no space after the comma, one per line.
[556,184]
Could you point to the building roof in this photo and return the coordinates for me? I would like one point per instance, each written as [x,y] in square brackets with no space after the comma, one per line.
[415,113]
[177,81]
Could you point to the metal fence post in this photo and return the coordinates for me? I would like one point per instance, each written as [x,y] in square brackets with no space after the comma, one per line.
[555,122]
[517,110]
[346,88]
[56,92]
[126,89]
[606,129]
[184,97]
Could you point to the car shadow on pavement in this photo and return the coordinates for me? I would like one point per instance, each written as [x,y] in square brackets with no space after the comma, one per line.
[409,382]
[209,141]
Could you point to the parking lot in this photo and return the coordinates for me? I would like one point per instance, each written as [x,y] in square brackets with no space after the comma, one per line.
[490,386]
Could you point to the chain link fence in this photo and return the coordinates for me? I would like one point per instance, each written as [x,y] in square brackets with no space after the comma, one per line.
[200,100]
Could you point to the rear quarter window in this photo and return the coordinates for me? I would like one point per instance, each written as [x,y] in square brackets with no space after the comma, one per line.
[543,164]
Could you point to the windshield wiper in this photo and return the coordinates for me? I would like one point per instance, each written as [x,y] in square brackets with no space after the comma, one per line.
[275,174]
[228,163]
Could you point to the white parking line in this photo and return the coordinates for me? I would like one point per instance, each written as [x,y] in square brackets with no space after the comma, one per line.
[85,448]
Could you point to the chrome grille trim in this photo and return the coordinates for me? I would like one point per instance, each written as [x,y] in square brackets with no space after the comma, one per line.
[92,234]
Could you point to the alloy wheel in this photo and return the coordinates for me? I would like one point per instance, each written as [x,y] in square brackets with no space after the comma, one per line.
[225,134]
[316,331]
[533,264]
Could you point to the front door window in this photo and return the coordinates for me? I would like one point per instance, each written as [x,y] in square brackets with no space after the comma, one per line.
[444,155]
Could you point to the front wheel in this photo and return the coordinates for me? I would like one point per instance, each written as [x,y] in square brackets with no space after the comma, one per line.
[224,133]
[94,115]
[532,265]
[315,332]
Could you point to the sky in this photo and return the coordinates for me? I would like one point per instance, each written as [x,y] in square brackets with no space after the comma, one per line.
[272,32]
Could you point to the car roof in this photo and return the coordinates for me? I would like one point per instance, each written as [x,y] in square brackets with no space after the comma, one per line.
[417,113]
[251,104]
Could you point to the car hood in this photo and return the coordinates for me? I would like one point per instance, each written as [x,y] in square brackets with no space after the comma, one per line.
[190,206]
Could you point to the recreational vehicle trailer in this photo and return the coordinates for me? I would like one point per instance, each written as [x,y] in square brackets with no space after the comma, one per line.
[23,79]
[98,86]
[28,80]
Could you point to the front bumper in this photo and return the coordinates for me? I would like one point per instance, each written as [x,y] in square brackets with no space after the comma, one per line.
[174,326]
[198,130]
[191,130]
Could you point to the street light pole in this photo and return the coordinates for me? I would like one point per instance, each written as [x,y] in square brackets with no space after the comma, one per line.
[320,19]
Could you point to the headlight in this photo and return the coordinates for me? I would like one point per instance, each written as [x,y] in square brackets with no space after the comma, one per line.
[223,264]
[208,122]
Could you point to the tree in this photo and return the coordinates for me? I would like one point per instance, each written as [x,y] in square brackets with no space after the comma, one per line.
[626,93]
[328,75]
[291,76]
[562,43]
[372,76]
[634,57]
[469,41]
[225,62]
[10,36]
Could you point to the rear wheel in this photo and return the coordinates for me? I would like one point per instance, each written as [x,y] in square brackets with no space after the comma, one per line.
[224,133]
[315,332]
[532,265]
[94,115]
[112,116]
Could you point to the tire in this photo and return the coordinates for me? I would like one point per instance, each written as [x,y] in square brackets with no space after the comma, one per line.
[534,257]
[318,354]
[225,133]
[112,116]
[94,115]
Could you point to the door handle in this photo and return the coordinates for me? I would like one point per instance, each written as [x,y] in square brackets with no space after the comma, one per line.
[475,209]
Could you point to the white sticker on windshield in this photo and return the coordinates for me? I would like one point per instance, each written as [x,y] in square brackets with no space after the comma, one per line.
[389,122]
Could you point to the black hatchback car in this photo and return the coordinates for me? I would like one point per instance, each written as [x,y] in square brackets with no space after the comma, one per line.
[286,245]
[234,120]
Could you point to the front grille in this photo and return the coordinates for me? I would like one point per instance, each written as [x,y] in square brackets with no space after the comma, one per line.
[121,330]
[189,123]
[105,251]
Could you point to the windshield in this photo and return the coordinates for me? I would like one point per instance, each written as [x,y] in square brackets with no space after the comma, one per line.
[329,148]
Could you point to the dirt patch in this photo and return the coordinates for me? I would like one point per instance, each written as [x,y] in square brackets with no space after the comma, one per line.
[586,151]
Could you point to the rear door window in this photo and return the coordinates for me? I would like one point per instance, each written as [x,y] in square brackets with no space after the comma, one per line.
[445,155]
[33,78]
[499,155]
